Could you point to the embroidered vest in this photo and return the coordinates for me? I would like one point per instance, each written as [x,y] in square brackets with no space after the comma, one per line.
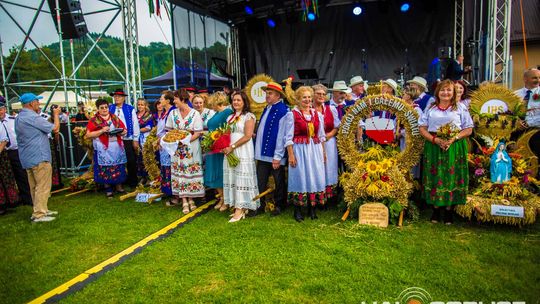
[127,110]
[422,102]
[328,119]
[301,132]
[271,127]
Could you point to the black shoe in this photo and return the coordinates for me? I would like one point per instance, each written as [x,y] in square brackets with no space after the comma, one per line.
[3,211]
[449,217]
[436,216]
[312,213]
[298,214]
[276,212]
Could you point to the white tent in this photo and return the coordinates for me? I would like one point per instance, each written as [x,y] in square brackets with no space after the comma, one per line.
[58,98]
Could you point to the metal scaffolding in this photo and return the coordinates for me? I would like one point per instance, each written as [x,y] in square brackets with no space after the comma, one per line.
[130,78]
[131,49]
[498,66]
[459,17]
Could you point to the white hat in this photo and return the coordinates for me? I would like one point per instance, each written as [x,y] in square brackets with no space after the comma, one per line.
[392,83]
[340,86]
[419,81]
[356,80]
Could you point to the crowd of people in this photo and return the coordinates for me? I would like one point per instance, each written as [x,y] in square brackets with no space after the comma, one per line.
[300,138]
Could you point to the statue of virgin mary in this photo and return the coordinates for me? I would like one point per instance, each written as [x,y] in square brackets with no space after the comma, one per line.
[501,164]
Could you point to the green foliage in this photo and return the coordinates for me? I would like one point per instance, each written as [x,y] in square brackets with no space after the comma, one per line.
[155,60]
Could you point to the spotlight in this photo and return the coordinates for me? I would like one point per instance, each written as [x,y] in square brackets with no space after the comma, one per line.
[311,16]
[271,23]
[248,10]
[357,10]
[405,7]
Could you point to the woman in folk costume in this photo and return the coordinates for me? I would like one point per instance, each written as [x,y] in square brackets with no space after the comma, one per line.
[167,104]
[8,188]
[109,154]
[331,125]
[240,182]
[186,163]
[146,122]
[445,166]
[213,171]
[200,104]
[304,139]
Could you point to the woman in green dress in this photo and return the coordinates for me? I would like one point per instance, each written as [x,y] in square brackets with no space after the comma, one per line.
[213,173]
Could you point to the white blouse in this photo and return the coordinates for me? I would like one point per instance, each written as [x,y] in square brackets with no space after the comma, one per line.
[434,117]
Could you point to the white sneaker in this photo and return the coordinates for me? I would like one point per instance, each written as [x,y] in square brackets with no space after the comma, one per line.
[50,212]
[43,219]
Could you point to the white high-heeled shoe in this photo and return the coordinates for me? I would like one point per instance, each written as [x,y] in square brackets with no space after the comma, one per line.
[234,220]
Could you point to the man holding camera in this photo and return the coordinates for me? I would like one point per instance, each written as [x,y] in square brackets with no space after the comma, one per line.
[35,152]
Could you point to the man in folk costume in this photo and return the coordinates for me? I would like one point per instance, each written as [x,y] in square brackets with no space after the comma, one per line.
[358,87]
[267,140]
[128,116]
[424,99]
[339,97]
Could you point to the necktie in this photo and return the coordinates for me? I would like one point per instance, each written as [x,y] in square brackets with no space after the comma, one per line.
[340,110]
[527,96]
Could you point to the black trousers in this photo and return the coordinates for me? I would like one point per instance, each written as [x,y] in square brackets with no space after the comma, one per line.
[21,178]
[131,165]
[264,169]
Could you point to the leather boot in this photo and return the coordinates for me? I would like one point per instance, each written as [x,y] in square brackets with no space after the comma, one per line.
[312,213]
[298,214]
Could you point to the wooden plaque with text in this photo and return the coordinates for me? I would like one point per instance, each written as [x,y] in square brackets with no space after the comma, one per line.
[375,214]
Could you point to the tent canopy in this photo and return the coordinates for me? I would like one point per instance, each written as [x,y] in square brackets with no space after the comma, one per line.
[58,98]
[183,77]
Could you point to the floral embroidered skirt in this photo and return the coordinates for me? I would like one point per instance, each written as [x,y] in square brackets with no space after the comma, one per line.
[109,175]
[8,187]
[445,174]
[187,172]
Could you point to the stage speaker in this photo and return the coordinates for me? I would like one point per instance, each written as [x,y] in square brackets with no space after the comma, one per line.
[71,18]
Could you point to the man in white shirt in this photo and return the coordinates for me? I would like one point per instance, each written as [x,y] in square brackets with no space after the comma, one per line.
[531,97]
[269,151]
[128,115]
[531,78]
[424,99]
[21,178]
[358,87]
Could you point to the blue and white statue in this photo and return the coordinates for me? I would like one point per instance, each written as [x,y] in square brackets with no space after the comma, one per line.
[501,164]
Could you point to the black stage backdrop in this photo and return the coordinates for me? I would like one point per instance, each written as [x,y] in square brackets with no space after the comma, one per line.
[333,44]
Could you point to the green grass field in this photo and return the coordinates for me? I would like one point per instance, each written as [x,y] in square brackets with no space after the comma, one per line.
[261,259]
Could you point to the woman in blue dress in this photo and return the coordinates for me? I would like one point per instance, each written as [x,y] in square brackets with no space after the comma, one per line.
[213,174]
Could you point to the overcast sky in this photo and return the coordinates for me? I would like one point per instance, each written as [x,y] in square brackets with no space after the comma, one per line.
[151,29]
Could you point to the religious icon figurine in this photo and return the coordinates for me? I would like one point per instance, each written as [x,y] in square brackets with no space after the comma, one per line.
[501,164]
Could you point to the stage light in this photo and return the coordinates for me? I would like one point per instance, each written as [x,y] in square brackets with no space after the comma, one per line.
[357,10]
[311,16]
[405,7]
[271,23]
[248,10]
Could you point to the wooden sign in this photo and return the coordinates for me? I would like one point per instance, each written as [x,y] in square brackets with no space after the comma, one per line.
[375,214]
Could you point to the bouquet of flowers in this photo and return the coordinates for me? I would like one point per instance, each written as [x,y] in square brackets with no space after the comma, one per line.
[447,131]
[216,141]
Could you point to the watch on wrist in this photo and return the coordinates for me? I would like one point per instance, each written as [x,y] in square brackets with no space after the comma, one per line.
[233,146]
[457,137]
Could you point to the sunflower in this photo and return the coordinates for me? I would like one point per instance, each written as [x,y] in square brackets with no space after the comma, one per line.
[385,165]
[215,135]
[372,168]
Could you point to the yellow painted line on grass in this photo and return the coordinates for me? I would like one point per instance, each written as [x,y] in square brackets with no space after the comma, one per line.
[99,267]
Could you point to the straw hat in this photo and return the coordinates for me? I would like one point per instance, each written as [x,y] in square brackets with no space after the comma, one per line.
[392,83]
[419,81]
[275,87]
[340,86]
